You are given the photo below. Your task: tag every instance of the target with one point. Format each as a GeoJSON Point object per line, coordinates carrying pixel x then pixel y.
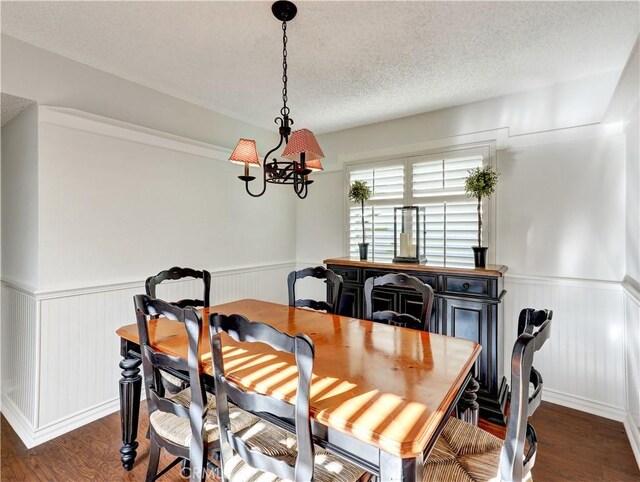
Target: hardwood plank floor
{"type": "Point", "coordinates": [574, 446]}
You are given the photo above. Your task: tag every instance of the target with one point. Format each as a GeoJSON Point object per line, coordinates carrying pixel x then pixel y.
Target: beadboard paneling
{"type": "Point", "coordinates": [79, 360]}
{"type": "Point", "coordinates": [19, 355]}
{"type": "Point", "coordinates": [583, 363]}
{"type": "Point", "coordinates": [632, 331]}
{"type": "Point", "coordinates": [66, 374]}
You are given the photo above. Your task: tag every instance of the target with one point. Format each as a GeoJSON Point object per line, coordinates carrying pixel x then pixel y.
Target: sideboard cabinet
{"type": "Point", "coordinates": [468, 304]}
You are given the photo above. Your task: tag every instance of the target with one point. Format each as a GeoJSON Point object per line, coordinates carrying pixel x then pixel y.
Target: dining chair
{"type": "Point", "coordinates": [289, 457]}
{"type": "Point", "coordinates": [319, 272]}
{"type": "Point", "coordinates": [184, 424]}
{"type": "Point", "coordinates": [172, 382]}
{"type": "Point", "coordinates": [390, 317]}
{"type": "Point", "coordinates": [465, 452]}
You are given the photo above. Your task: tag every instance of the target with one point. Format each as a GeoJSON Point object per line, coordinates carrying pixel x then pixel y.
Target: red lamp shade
{"type": "Point", "coordinates": [304, 142]}
{"type": "Point", "coordinates": [245, 153]}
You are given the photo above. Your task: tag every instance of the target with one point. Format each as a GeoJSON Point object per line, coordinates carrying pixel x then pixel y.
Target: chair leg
{"type": "Point", "coordinates": [154, 458]}
{"type": "Point", "coordinates": [198, 462]}
{"type": "Point", "coordinates": [186, 469]}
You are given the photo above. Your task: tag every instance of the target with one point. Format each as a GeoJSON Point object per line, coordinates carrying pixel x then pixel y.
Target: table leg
{"type": "Point", "coordinates": [468, 407]}
{"type": "Point", "coordinates": [130, 386]}
{"type": "Point", "coordinates": [395, 469]}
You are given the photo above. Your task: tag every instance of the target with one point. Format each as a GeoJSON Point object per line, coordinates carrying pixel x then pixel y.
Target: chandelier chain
{"type": "Point", "coordinates": [285, 110]}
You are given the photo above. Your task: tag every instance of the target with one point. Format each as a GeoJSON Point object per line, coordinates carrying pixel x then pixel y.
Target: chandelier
{"type": "Point", "coordinates": [302, 152]}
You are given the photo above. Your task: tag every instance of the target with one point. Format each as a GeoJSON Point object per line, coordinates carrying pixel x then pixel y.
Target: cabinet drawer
{"type": "Point", "coordinates": [349, 275]}
{"type": "Point", "coordinates": [475, 286]}
{"type": "Point", "coordinates": [428, 279]}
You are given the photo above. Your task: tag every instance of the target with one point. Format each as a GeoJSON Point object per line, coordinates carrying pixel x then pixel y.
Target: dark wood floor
{"type": "Point", "coordinates": [574, 446]}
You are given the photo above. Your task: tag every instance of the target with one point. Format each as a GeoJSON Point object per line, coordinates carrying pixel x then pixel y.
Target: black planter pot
{"type": "Point", "coordinates": [364, 249]}
{"type": "Point", "coordinates": [480, 256]}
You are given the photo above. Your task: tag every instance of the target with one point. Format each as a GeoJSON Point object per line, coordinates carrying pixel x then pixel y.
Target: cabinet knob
{"type": "Point", "coordinates": [465, 286]}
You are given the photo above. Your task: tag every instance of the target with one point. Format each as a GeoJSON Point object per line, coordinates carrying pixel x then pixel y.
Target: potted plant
{"type": "Point", "coordinates": [479, 184]}
{"type": "Point", "coordinates": [359, 192]}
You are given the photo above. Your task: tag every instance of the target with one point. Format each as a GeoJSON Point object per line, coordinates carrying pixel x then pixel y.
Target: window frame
{"type": "Point", "coordinates": [489, 206]}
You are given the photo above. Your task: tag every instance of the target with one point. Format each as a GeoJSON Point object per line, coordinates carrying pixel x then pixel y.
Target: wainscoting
{"type": "Point", "coordinates": [583, 363]}
{"type": "Point", "coordinates": [632, 332]}
{"type": "Point", "coordinates": [64, 347]}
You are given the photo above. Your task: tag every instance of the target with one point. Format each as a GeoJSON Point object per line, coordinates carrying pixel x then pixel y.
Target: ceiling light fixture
{"type": "Point", "coordinates": [301, 150]}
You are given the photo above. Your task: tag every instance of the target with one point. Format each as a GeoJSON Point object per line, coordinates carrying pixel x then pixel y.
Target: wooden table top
{"type": "Point", "coordinates": [496, 270]}
{"type": "Point", "coordinates": [387, 386]}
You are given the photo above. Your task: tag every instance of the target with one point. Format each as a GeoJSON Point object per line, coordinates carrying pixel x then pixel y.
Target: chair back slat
{"type": "Point", "coordinates": [256, 402]}
{"type": "Point", "coordinates": [148, 308]}
{"type": "Point", "coordinates": [167, 405]}
{"type": "Point", "coordinates": [254, 458]}
{"type": "Point", "coordinates": [161, 360]}
{"type": "Point", "coordinates": [177, 273]}
{"type": "Point", "coordinates": [534, 329]}
{"type": "Point", "coordinates": [314, 305]}
{"type": "Point", "coordinates": [242, 330]}
{"type": "Point", "coordinates": [319, 272]}
{"type": "Point", "coordinates": [536, 397]}
{"type": "Point", "coordinates": [406, 320]}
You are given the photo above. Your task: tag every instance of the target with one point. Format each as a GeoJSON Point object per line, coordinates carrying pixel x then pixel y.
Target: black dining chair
{"type": "Point", "coordinates": [319, 272]}
{"type": "Point", "coordinates": [465, 452]}
{"type": "Point", "coordinates": [177, 273]}
{"type": "Point", "coordinates": [291, 458]}
{"type": "Point", "coordinates": [174, 382]}
{"type": "Point", "coordinates": [184, 424]}
{"type": "Point", "coordinates": [390, 317]}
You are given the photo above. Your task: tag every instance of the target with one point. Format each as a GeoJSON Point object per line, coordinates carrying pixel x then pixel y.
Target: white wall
{"type": "Point", "coordinates": [560, 211]}
{"type": "Point", "coordinates": [20, 198]}
{"type": "Point", "coordinates": [114, 209]}
{"type": "Point", "coordinates": [632, 238]}
{"type": "Point", "coordinates": [570, 104]}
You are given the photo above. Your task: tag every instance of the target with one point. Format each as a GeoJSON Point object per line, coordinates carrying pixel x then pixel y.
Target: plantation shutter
{"type": "Point", "coordinates": [452, 220]}
{"type": "Point", "coordinates": [434, 181]}
{"type": "Point", "coordinates": [387, 185]}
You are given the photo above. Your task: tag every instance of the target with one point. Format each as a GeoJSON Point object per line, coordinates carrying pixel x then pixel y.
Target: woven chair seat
{"type": "Point", "coordinates": [464, 453]}
{"type": "Point", "coordinates": [328, 468]}
{"type": "Point", "coordinates": [172, 380]}
{"type": "Point", "coordinates": [266, 437]}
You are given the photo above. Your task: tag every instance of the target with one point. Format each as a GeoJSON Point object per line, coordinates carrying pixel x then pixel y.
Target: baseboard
{"type": "Point", "coordinates": [18, 422]}
{"type": "Point", "coordinates": [584, 404]}
{"type": "Point", "coordinates": [76, 420]}
{"type": "Point", "coordinates": [634, 437]}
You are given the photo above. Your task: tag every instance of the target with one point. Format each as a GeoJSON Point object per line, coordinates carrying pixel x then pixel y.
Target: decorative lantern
{"type": "Point", "coordinates": [409, 234]}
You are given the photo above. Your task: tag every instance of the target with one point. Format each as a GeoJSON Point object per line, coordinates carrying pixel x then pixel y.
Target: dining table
{"type": "Point", "coordinates": [380, 394]}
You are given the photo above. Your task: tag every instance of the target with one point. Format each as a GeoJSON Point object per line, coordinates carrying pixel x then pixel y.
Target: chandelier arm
{"type": "Point", "coordinates": [300, 183]}
{"type": "Point", "coordinates": [303, 194]}
{"type": "Point", "coordinates": [264, 171]}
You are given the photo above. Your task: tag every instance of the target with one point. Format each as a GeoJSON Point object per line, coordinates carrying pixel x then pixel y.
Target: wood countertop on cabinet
{"type": "Point", "coordinates": [493, 270]}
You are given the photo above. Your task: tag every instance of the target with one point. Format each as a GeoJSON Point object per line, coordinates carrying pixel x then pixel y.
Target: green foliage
{"type": "Point", "coordinates": [359, 192]}
{"type": "Point", "coordinates": [481, 182]}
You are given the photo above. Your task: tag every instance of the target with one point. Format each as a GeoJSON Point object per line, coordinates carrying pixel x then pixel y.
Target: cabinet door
{"type": "Point", "coordinates": [384, 299]}
{"type": "Point", "coordinates": [351, 301]}
{"type": "Point", "coordinates": [411, 304]}
{"type": "Point", "coordinates": [471, 320]}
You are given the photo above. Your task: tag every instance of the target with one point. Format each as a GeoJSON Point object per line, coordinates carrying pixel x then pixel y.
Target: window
{"type": "Point", "coordinates": [435, 181]}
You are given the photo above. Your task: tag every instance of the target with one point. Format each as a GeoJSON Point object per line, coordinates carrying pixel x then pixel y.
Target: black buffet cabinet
{"type": "Point", "coordinates": [468, 304]}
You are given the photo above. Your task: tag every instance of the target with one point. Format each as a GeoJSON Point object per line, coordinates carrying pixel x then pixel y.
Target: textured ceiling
{"type": "Point", "coordinates": [350, 63]}
{"type": "Point", "coordinates": [11, 106]}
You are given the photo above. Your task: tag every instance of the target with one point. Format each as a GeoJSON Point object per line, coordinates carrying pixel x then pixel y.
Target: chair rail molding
{"type": "Point", "coordinates": [39, 400]}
